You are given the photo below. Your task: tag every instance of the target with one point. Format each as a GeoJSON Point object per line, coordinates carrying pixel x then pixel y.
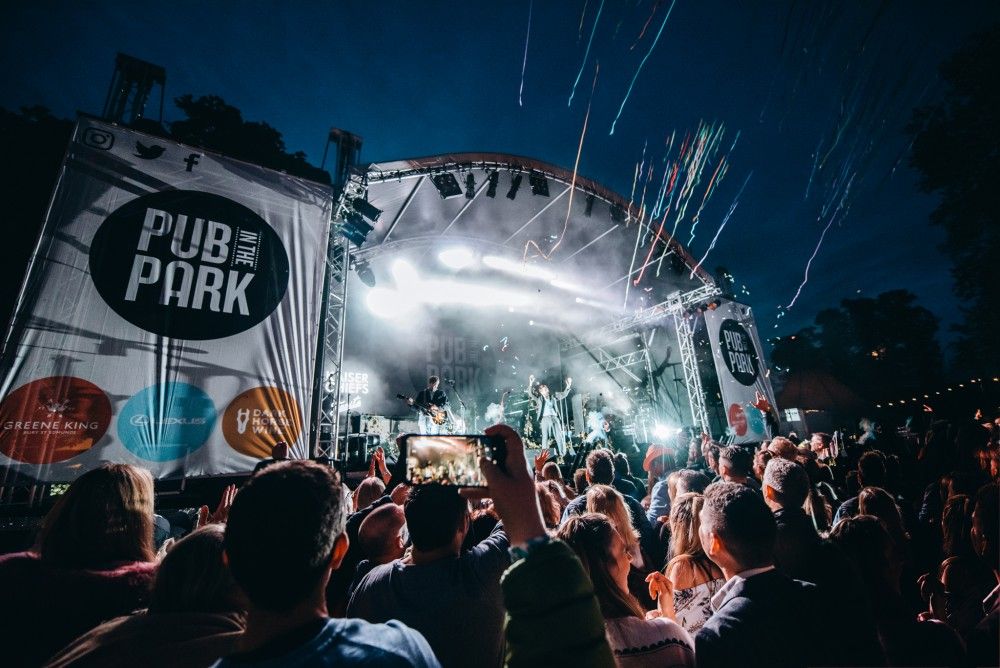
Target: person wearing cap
{"type": "Point", "coordinates": [655, 465]}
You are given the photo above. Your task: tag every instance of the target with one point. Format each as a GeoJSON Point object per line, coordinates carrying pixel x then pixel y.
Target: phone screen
{"type": "Point", "coordinates": [449, 460]}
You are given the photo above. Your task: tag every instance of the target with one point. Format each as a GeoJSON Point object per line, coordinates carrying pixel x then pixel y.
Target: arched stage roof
{"type": "Point", "coordinates": [598, 246]}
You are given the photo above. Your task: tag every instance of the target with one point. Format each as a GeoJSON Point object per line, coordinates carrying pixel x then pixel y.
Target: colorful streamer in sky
{"type": "Point", "coordinates": [524, 64]}
{"type": "Point", "coordinates": [586, 54]}
{"type": "Point", "coordinates": [725, 220]}
{"type": "Point", "coordinates": [572, 184]}
{"type": "Point", "coordinates": [641, 64]}
{"type": "Point", "coordinates": [678, 186]}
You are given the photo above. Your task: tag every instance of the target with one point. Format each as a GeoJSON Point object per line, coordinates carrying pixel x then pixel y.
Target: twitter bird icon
{"type": "Point", "coordinates": [148, 152]}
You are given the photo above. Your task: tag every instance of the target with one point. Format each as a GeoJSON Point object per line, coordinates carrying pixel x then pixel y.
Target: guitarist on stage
{"type": "Point", "coordinates": [429, 400]}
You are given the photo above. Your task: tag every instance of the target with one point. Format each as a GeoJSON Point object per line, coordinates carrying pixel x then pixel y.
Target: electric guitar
{"type": "Point", "coordinates": [437, 414]}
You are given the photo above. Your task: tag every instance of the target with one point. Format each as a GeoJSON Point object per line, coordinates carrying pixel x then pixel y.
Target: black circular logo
{"type": "Point", "coordinates": [189, 265]}
{"type": "Point", "coordinates": [738, 351]}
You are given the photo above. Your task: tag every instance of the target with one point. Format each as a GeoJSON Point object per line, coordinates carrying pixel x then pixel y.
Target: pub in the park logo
{"type": "Point", "coordinates": [738, 352]}
{"type": "Point", "coordinates": [189, 265]}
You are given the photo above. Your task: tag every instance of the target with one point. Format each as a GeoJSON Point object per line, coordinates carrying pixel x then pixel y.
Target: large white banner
{"type": "Point", "coordinates": [739, 363]}
{"type": "Point", "coordinates": [170, 315]}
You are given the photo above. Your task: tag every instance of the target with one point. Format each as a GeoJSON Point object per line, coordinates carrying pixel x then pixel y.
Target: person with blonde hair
{"type": "Point", "coordinates": [637, 638]}
{"type": "Point", "coordinates": [94, 560]}
{"type": "Point", "coordinates": [695, 577]}
{"type": "Point", "coordinates": [609, 501]}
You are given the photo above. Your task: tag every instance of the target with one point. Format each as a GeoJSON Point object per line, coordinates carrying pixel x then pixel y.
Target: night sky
{"type": "Point", "coordinates": [819, 92]}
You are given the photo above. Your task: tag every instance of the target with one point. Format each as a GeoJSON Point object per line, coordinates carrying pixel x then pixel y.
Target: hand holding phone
{"type": "Point", "coordinates": [512, 488]}
{"type": "Point", "coordinates": [449, 459]}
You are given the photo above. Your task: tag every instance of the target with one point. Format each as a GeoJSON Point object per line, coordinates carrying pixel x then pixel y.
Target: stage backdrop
{"type": "Point", "coordinates": [739, 363]}
{"type": "Point", "coordinates": [170, 314]}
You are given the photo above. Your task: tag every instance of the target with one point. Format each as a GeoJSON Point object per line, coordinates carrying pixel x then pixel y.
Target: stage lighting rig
{"type": "Point", "coordinates": [355, 228]}
{"type": "Point", "coordinates": [365, 273]}
{"type": "Point", "coordinates": [539, 184]}
{"type": "Point", "coordinates": [618, 213]}
{"type": "Point", "coordinates": [367, 210]}
{"type": "Point", "coordinates": [470, 186]}
{"type": "Point", "coordinates": [447, 185]}
{"type": "Point", "coordinates": [515, 183]}
{"type": "Point", "coordinates": [491, 189]}
{"type": "Point", "coordinates": [359, 218]}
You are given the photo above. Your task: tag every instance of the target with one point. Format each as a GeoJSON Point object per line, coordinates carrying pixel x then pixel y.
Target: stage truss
{"type": "Point", "coordinates": [325, 437]}
{"type": "Point", "coordinates": [676, 307]}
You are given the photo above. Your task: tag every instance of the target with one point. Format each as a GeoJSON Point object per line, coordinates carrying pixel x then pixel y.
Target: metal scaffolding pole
{"type": "Point", "coordinates": [327, 427]}
{"type": "Point", "coordinates": [689, 363]}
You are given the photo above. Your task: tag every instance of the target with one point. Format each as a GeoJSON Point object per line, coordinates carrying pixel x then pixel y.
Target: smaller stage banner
{"type": "Point", "coordinates": [170, 313]}
{"type": "Point", "coordinates": [739, 364]}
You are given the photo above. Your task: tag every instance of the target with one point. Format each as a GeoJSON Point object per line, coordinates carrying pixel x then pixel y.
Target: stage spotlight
{"type": "Point", "coordinates": [447, 185]}
{"type": "Point", "coordinates": [618, 213]}
{"type": "Point", "coordinates": [515, 183]}
{"type": "Point", "coordinates": [590, 206]}
{"type": "Point", "coordinates": [539, 184]}
{"type": "Point", "coordinates": [355, 228]}
{"type": "Point", "coordinates": [365, 274]}
{"type": "Point", "coordinates": [456, 258]}
{"type": "Point", "coordinates": [367, 210]}
{"type": "Point", "coordinates": [470, 186]}
{"type": "Point", "coordinates": [677, 264]}
{"type": "Point", "coordinates": [491, 189]}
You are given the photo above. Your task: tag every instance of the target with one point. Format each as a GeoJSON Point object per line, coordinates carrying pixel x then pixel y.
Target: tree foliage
{"type": "Point", "coordinates": [956, 149]}
{"type": "Point", "coordinates": [35, 141]}
{"type": "Point", "coordinates": [879, 347]}
{"type": "Point", "coordinates": [214, 125]}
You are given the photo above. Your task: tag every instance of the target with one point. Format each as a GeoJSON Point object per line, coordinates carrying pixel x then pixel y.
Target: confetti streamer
{"type": "Point", "coordinates": [586, 54]}
{"type": "Point", "coordinates": [576, 167]}
{"type": "Point", "coordinates": [524, 63]}
{"type": "Point", "coordinates": [646, 25]}
{"type": "Point", "coordinates": [819, 244]}
{"type": "Point", "coordinates": [641, 64]}
{"type": "Point", "coordinates": [724, 221]}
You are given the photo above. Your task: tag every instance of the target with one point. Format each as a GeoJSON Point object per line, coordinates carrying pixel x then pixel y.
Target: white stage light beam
{"type": "Point", "coordinates": [457, 257]}
{"type": "Point", "coordinates": [518, 268]}
{"type": "Point", "coordinates": [405, 274]}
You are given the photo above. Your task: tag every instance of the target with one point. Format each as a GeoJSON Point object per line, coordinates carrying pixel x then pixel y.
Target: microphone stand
{"type": "Point", "coordinates": [461, 402]}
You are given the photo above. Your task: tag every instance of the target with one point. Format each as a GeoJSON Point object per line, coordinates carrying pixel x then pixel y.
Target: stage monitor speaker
{"type": "Point", "coordinates": [403, 426]}
{"type": "Point", "coordinates": [359, 449]}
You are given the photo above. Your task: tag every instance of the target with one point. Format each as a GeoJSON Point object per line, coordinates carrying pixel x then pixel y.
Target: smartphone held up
{"type": "Point", "coordinates": [449, 459]}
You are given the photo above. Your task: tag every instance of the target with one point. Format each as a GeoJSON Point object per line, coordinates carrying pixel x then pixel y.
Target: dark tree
{"type": "Point", "coordinates": [956, 149]}
{"type": "Point", "coordinates": [881, 347]}
{"type": "Point", "coordinates": [36, 141]}
{"type": "Point", "coordinates": [217, 126]}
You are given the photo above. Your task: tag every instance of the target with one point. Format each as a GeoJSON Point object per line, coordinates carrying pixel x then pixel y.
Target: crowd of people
{"type": "Point", "coordinates": [792, 552]}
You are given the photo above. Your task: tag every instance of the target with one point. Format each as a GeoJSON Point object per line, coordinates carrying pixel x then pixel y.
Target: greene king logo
{"type": "Point", "coordinates": [189, 265]}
